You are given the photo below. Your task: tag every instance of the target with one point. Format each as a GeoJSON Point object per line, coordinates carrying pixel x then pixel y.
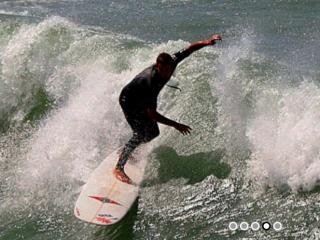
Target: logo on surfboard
{"type": "Point", "coordinates": [104, 220]}
{"type": "Point", "coordinates": [105, 200]}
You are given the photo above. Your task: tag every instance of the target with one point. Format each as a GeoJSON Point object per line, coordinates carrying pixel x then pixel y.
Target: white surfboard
{"type": "Point", "coordinates": [105, 200]}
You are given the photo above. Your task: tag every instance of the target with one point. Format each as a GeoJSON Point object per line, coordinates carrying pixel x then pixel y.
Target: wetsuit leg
{"type": "Point", "coordinates": [144, 130]}
{"type": "Point", "coordinates": [129, 147]}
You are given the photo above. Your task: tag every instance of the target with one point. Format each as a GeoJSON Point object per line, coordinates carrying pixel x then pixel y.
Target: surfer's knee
{"type": "Point", "coordinates": [152, 135]}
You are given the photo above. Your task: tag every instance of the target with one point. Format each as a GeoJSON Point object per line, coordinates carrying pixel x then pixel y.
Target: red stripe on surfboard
{"type": "Point", "coordinates": [105, 200]}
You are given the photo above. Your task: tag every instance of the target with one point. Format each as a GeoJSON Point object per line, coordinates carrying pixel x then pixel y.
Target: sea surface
{"type": "Point", "coordinates": [253, 101]}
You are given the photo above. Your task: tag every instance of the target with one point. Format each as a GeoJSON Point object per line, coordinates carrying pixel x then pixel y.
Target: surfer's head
{"type": "Point", "coordinates": [165, 65]}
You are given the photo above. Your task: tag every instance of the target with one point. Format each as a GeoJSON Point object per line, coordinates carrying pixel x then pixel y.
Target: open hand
{"type": "Point", "coordinates": [214, 38]}
{"type": "Point", "coordinates": [184, 129]}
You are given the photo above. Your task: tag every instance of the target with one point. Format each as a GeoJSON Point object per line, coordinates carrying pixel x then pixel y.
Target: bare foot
{"type": "Point", "coordinates": [122, 176]}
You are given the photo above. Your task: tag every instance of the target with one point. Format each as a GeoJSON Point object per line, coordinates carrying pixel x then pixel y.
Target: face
{"type": "Point", "coordinates": [165, 71]}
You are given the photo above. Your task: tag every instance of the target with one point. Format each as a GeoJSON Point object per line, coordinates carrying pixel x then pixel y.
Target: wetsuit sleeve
{"type": "Point", "coordinates": [179, 56]}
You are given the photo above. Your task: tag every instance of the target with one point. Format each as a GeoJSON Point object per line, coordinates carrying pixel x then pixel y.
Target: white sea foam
{"type": "Point", "coordinates": [268, 115]}
{"type": "Point", "coordinates": [285, 137]}
{"type": "Point", "coordinates": [232, 86]}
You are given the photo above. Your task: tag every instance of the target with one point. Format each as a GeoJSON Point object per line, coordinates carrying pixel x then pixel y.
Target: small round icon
{"type": "Point", "coordinates": [244, 226]}
{"type": "Point", "coordinates": [266, 225]}
{"type": "Point", "coordinates": [255, 226]}
{"type": "Point", "coordinates": [277, 226]}
{"type": "Point", "coordinates": [233, 226]}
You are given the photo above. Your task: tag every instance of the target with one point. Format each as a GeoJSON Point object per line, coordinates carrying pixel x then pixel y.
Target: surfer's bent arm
{"type": "Point", "coordinates": [155, 116]}
{"type": "Point", "coordinates": [182, 54]}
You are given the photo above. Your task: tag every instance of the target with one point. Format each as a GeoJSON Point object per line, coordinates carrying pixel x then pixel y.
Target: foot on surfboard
{"type": "Point", "coordinates": [121, 176]}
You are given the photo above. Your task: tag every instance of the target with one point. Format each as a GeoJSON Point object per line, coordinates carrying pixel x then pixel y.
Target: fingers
{"type": "Point", "coordinates": [185, 130]}
{"type": "Point", "coordinates": [188, 130]}
{"type": "Point", "coordinates": [216, 37]}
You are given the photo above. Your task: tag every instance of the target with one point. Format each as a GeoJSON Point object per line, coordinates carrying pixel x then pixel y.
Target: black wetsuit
{"type": "Point", "coordinates": [135, 98]}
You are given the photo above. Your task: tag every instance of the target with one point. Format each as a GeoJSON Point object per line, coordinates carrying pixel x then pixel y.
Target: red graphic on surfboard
{"type": "Point", "coordinates": [105, 200]}
{"type": "Point", "coordinates": [104, 220]}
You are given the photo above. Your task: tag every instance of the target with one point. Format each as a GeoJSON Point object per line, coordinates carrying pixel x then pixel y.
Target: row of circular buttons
{"type": "Point", "coordinates": [255, 226]}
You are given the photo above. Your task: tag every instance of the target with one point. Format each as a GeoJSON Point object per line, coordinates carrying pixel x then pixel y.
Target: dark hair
{"type": "Point", "coordinates": [165, 59]}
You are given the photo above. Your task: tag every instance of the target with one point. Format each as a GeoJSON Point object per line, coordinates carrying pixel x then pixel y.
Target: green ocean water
{"type": "Point", "coordinates": [252, 101]}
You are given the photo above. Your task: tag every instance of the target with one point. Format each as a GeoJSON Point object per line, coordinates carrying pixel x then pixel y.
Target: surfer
{"type": "Point", "coordinates": [138, 101]}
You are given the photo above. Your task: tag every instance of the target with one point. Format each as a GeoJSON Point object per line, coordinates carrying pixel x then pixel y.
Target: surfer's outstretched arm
{"type": "Point", "coordinates": [182, 54]}
{"type": "Point", "coordinates": [200, 44]}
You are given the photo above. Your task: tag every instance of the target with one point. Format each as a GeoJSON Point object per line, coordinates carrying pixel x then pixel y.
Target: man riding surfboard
{"type": "Point", "coordinates": [138, 100]}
